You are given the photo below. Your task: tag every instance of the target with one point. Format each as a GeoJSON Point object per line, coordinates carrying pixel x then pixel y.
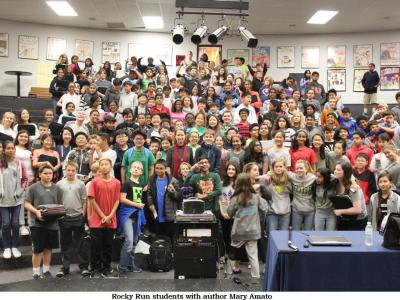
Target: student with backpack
{"type": "Point", "coordinates": [138, 153]}
{"type": "Point", "coordinates": [130, 219]}
{"type": "Point", "coordinates": [245, 208]}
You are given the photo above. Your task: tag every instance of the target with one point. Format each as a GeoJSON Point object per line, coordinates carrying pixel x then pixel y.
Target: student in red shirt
{"type": "Point", "coordinates": [243, 126]}
{"type": "Point", "coordinates": [160, 108]}
{"type": "Point", "coordinates": [359, 147]}
{"type": "Point", "coordinates": [301, 150]}
{"type": "Point", "coordinates": [366, 179]}
{"type": "Point", "coordinates": [103, 194]}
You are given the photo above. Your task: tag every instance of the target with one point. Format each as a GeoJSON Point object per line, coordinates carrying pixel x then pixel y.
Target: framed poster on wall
{"type": "Point", "coordinates": [390, 54]}
{"type": "Point", "coordinates": [110, 51]}
{"type": "Point", "coordinates": [261, 55]}
{"type": "Point", "coordinates": [55, 47]}
{"type": "Point", "coordinates": [390, 79]}
{"type": "Point", "coordinates": [232, 53]}
{"type": "Point", "coordinates": [28, 47]}
{"type": "Point", "coordinates": [310, 57]}
{"type": "Point", "coordinates": [84, 49]}
{"type": "Point", "coordinates": [336, 57]}
{"type": "Point", "coordinates": [362, 55]}
{"type": "Point", "coordinates": [161, 52]}
{"type": "Point", "coordinates": [358, 76]}
{"type": "Point", "coordinates": [214, 53]}
{"type": "Point", "coordinates": [337, 80]}
{"type": "Point", "coordinates": [285, 57]}
{"type": "Point", "coordinates": [3, 44]}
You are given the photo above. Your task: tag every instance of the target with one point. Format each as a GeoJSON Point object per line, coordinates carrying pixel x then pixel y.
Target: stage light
{"type": "Point", "coordinates": [217, 35]}
{"type": "Point", "coordinates": [178, 33]}
{"type": "Point", "coordinates": [248, 36]}
{"type": "Point", "coordinates": [199, 34]}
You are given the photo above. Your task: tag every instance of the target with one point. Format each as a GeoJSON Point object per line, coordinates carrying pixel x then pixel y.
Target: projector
{"type": "Point", "coordinates": [193, 206]}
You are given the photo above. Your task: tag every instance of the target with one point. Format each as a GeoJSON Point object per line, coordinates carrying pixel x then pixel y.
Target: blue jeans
{"type": "Point", "coordinates": [278, 222]}
{"type": "Point", "coordinates": [299, 218]}
{"type": "Point", "coordinates": [10, 221]}
{"type": "Point", "coordinates": [325, 220]}
{"type": "Point", "coordinates": [128, 248]}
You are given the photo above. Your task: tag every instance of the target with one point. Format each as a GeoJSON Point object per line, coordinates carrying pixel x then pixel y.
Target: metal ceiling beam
{"type": "Point", "coordinates": [211, 4]}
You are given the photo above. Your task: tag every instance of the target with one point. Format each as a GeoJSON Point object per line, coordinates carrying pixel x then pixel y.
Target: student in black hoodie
{"type": "Point", "coordinates": [56, 90]}
{"type": "Point", "coordinates": [370, 82]}
{"type": "Point", "coordinates": [208, 149]}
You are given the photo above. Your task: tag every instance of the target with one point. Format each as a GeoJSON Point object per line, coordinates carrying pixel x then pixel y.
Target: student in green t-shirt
{"type": "Point", "coordinates": [206, 185]}
{"type": "Point", "coordinates": [138, 153]}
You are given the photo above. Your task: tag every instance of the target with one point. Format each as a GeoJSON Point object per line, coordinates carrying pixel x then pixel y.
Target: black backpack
{"type": "Point", "coordinates": [160, 258]}
{"type": "Point", "coordinates": [390, 229]}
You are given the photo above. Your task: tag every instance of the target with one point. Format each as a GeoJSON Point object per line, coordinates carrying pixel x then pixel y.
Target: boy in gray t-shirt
{"type": "Point", "coordinates": [72, 227]}
{"type": "Point", "coordinates": [44, 234]}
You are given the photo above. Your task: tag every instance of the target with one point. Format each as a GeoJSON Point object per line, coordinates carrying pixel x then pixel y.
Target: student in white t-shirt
{"type": "Point", "coordinates": [106, 151]}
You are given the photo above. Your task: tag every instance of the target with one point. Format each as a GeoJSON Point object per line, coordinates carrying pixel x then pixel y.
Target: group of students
{"type": "Point", "coordinates": [261, 155]}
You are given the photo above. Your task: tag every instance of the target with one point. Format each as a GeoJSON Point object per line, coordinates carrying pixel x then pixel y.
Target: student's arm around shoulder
{"type": "Point", "coordinates": [232, 207]}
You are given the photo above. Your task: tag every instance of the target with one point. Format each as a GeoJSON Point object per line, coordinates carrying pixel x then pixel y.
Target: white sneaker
{"type": "Point", "coordinates": [16, 253]}
{"type": "Point", "coordinates": [7, 253]}
{"type": "Point", "coordinates": [24, 231]}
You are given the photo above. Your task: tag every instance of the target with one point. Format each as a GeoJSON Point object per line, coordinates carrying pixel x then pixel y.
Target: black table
{"type": "Point", "coordinates": [18, 74]}
{"type": "Point", "coordinates": [354, 268]}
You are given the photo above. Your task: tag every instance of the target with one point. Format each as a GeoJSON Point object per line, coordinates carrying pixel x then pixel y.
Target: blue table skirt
{"type": "Point", "coordinates": [354, 268]}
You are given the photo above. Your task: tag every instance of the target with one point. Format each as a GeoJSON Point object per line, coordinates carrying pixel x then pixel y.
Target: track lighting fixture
{"type": "Point", "coordinates": [248, 36]}
{"type": "Point", "coordinates": [178, 33]}
{"type": "Point", "coordinates": [217, 35]}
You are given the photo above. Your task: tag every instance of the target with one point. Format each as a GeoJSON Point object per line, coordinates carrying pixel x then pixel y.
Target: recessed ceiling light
{"type": "Point", "coordinates": [322, 17]}
{"type": "Point", "coordinates": [152, 22]}
{"type": "Point", "coordinates": [62, 8]}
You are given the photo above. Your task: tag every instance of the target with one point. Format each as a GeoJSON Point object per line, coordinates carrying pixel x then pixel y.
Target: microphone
{"type": "Point", "coordinates": [290, 244]}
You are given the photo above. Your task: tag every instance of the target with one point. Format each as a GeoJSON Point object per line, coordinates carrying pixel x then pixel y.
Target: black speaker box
{"type": "Point", "coordinates": [193, 206]}
{"type": "Point", "coordinates": [195, 260]}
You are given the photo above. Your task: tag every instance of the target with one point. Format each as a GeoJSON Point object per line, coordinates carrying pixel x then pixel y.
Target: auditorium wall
{"type": "Point", "coordinates": [12, 62]}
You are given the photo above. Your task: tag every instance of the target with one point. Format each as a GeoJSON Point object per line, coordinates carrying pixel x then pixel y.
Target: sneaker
{"type": "Point", "coordinates": [248, 266]}
{"type": "Point", "coordinates": [134, 269]}
{"type": "Point", "coordinates": [85, 272]}
{"type": "Point", "coordinates": [16, 253]}
{"type": "Point", "coordinates": [96, 274]}
{"type": "Point", "coordinates": [37, 276]}
{"type": "Point", "coordinates": [24, 231]}
{"type": "Point", "coordinates": [61, 274]}
{"type": "Point", "coordinates": [123, 275]}
{"type": "Point", "coordinates": [107, 273]}
{"type": "Point", "coordinates": [255, 280]}
{"type": "Point", "coordinates": [47, 275]}
{"type": "Point", "coordinates": [7, 253]}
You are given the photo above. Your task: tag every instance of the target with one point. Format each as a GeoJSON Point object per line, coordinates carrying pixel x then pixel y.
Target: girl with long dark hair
{"type": "Point", "coordinates": [13, 181]}
{"type": "Point", "coordinates": [383, 202]}
{"type": "Point", "coordinates": [353, 218]}
{"type": "Point", "coordinates": [253, 153]}
{"type": "Point", "coordinates": [325, 218]}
